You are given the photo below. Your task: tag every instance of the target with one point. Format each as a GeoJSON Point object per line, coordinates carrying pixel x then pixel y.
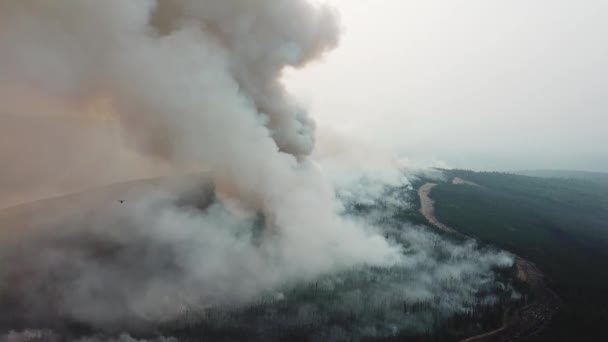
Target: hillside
{"type": "Point", "coordinates": [449, 291]}
{"type": "Point", "coordinates": [561, 224]}
{"type": "Point", "coordinates": [601, 177]}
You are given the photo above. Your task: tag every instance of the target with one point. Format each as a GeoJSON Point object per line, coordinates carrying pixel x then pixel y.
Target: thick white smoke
{"type": "Point", "coordinates": [192, 83]}
{"type": "Point", "coordinates": [199, 82]}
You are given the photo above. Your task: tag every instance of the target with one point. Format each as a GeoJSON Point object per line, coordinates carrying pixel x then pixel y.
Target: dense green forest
{"type": "Point", "coordinates": [560, 223]}
{"type": "Point", "coordinates": [567, 174]}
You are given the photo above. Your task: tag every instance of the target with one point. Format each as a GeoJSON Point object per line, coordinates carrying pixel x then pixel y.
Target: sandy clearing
{"type": "Point", "coordinates": [427, 208]}
{"type": "Point", "coordinates": [460, 181]}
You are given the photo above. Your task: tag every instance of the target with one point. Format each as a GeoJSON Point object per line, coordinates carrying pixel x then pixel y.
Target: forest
{"type": "Point", "coordinates": [559, 222]}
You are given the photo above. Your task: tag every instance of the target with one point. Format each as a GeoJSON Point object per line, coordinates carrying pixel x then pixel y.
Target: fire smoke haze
{"type": "Point", "coordinates": [484, 84]}
{"type": "Point", "coordinates": [190, 83]}
{"type": "Point", "coordinates": [97, 91]}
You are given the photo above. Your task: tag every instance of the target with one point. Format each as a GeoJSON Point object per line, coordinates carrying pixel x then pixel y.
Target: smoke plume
{"type": "Point", "coordinates": [199, 82]}
{"type": "Point", "coordinates": [181, 84]}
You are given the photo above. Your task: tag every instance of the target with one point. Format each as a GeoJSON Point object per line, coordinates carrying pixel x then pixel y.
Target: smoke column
{"type": "Point", "coordinates": [189, 84]}
{"type": "Point", "coordinates": [197, 82]}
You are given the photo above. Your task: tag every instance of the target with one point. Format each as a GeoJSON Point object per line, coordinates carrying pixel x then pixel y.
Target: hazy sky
{"type": "Point", "coordinates": [474, 83]}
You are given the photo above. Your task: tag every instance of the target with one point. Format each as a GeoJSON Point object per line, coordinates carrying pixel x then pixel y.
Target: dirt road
{"type": "Point", "coordinates": [427, 208]}
{"type": "Point", "coordinates": [529, 319]}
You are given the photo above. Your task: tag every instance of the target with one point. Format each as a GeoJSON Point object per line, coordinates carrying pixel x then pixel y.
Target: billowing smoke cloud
{"type": "Point", "coordinates": [190, 81]}
{"type": "Point", "coordinates": [199, 82]}
{"type": "Point", "coordinates": [158, 258]}
{"type": "Point", "coordinates": [184, 83]}
{"type": "Point", "coordinates": [193, 81]}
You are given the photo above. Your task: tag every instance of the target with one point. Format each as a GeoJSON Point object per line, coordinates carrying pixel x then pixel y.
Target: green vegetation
{"type": "Point", "coordinates": [561, 224]}
{"type": "Point", "coordinates": [317, 312]}
{"type": "Point", "coordinates": [567, 174]}
{"type": "Point", "coordinates": [447, 289]}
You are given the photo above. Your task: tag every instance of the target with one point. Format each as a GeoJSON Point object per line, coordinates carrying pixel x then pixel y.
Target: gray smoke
{"type": "Point", "coordinates": [192, 82]}
{"type": "Point", "coordinates": [199, 82]}
{"type": "Point", "coordinates": [185, 84]}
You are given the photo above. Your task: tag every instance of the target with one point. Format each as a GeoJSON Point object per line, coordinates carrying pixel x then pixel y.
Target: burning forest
{"type": "Point", "coordinates": [252, 232]}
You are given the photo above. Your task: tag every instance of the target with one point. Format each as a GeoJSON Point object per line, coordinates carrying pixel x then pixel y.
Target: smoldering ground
{"type": "Point", "coordinates": [188, 265]}
{"type": "Point", "coordinates": [194, 83]}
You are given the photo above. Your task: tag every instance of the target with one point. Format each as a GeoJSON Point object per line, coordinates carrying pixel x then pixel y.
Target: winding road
{"type": "Point", "coordinates": [527, 320]}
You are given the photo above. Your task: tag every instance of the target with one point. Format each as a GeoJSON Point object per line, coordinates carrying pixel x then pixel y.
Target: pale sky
{"type": "Point", "coordinates": [483, 84]}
